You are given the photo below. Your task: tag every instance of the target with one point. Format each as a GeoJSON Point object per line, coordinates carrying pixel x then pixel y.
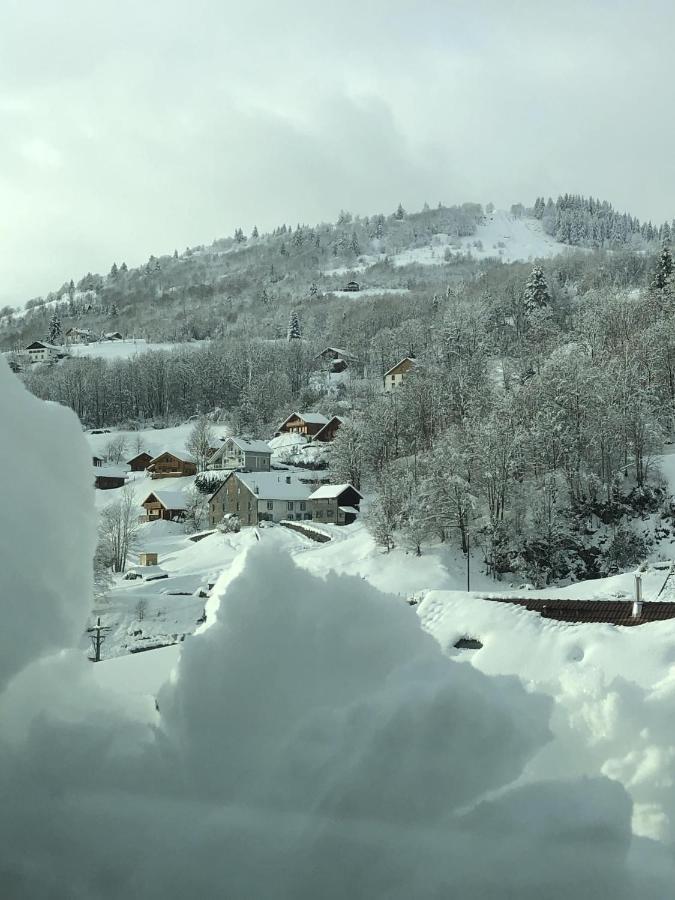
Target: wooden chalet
{"type": "Point", "coordinates": [140, 462]}
{"type": "Point", "coordinates": [334, 359]}
{"type": "Point", "coordinates": [393, 378]}
{"type": "Point", "coordinates": [41, 351]}
{"type": "Point", "coordinates": [306, 424]}
{"type": "Point", "coordinates": [172, 464]}
{"type": "Point", "coordinates": [329, 430]}
{"type": "Point", "coordinates": [352, 286]}
{"type": "Point", "coordinates": [169, 505]}
{"type": "Point", "coordinates": [335, 503]}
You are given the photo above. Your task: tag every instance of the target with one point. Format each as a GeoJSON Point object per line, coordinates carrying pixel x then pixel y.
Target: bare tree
{"type": "Point", "coordinates": [200, 441]}
{"type": "Point", "coordinates": [115, 449]}
{"type": "Point", "coordinates": [118, 528]}
{"type": "Point", "coordinates": [140, 609]}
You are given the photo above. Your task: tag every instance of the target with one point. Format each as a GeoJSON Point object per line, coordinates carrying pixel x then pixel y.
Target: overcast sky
{"type": "Point", "coordinates": [138, 126]}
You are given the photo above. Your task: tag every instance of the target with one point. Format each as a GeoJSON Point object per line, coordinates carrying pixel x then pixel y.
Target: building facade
{"type": "Point", "coordinates": [239, 453]}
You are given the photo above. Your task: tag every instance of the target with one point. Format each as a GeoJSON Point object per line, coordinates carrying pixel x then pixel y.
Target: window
{"type": "Point", "coordinates": [289, 504]}
{"type": "Point", "coordinates": [303, 505]}
{"type": "Point", "coordinates": [237, 506]}
{"type": "Point", "coordinates": [270, 504]}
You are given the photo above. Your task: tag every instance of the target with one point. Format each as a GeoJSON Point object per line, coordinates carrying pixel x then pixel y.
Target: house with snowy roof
{"type": "Point", "coordinates": [335, 503]}
{"type": "Point", "coordinates": [395, 376]}
{"type": "Point", "coordinates": [334, 359]}
{"type": "Point", "coordinates": [169, 505]}
{"type": "Point", "coordinates": [256, 497]}
{"type": "Point", "coordinates": [243, 454]}
{"type": "Point", "coordinates": [327, 433]}
{"type": "Point", "coordinates": [172, 464]}
{"type": "Point", "coordinates": [306, 424]}
{"type": "Point", "coordinates": [41, 351]}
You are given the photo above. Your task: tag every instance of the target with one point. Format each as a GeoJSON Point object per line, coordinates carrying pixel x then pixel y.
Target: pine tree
{"type": "Point", "coordinates": [536, 294]}
{"type": "Point", "coordinates": [294, 333]}
{"type": "Point", "coordinates": [54, 329]}
{"type": "Point", "coordinates": [400, 212]}
{"type": "Point", "coordinates": [254, 233]}
{"type": "Point", "coordinates": [114, 270]}
{"type": "Point", "coordinates": [663, 277]}
{"type": "Point", "coordinates": [355, 248]}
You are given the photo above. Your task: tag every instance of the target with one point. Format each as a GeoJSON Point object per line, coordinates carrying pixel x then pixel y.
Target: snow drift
{"type": "Point", "coordinates": [315, 742]}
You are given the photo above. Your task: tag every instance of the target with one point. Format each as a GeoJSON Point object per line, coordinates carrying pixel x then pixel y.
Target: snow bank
{"type": "Point", "coordinates": [47, 527]}
{"type": "Point", "coordinates": [314, 742]}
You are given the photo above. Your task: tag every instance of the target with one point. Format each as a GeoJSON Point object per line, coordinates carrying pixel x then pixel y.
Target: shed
{"type": "Point", "coordinates": [352, 286]}
{"type": "Point", "coordinates": [169, 505]}
{"type": "Point", "coordinates": [147, 559]}
{"type": "Point", "coordinates": [140, 462]}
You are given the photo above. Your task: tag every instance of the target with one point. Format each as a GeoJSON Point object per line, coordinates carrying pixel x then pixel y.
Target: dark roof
{"type": "Point", "coordinates": [611, 612]}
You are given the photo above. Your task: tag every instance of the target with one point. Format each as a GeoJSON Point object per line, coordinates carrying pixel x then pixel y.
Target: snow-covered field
{"type": "Point", "coordinates": [126, 348]}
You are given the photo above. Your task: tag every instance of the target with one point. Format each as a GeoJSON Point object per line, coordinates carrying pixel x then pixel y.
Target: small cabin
{"type": "Point", "coordinates": [97, 461]}
{"type": "Point", "coordinates": [306, 424]}
{"type": "Point", "coordinates": [172, 464]}
{"type": "Point", "coordinates": [334, 359]}
{"type": "Point", "coordinates": [147, 559]}
{"type": "Point", "coordinates": [107, 478]}
{"type": "Point", "coordinates": [168, 505]}
{"type": "Point", "coordinates": [140, 462]}
{"type": "Point", "coordinates": [113, 336]}
{"type": "Point", "coordinates": [352, 286]}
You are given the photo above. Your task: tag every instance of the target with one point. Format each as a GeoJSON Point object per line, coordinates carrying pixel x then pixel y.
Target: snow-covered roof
{"type": "Point", "coordinates": [409, 359]}
{"type": "Point", "coordinates": [310, 418]}
{"type": "Point", "coordinates": [109, 471]}
{"type": "Point", "coordinates": [42, 345]}
{"type": "Point", "coordinates": [331, 491]}
{"type": "Point", "coordinates": [275, 485]}
{"type": "Point", "coordinates": [250, 446]}
{"type": "Point", "coordinates": [169, 499]}
{"type": "Point", "coordinates": [179, 454]}
{"type": "Point", "coordinates": [349, 509]}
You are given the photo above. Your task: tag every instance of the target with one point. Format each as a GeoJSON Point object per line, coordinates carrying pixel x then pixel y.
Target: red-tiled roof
{"type": "Point", "coordinates": [611, 612]}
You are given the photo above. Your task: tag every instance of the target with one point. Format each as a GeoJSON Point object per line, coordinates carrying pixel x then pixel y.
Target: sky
{"type": "Point", "coordinates": [136, 128]}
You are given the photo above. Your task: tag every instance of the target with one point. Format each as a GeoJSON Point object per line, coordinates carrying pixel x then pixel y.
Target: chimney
{"type": "Point", "coordinates": [637, 603]}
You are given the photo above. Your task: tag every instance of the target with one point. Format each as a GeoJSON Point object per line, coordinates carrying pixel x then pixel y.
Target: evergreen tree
{"type": "Point", "coordinates": [254, 233]}
{"type": "Point", "coordinates": [355, 248]}
{"type": "Point", "coordinates": [536, 294]}
{"type": "Point", "coordinates": [663, 277]}
{"type": "Point", "coordinates": [400, 212]}
{"type": "Point", "coordinates": [54, 329]}
{"type": "Point", "coordinates": [294, 333]}
{"type": "Point", "coordinates": [114, 271]}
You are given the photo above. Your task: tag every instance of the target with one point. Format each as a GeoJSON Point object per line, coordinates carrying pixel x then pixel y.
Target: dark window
{"type": "Point", "coordinates": [289, 504]}
{"type": "Point", "coordinates": [270, 504]}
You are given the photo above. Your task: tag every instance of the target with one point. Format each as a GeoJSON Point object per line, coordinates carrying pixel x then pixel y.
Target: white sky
{"type": "Point", "coordinates": [134, 127]}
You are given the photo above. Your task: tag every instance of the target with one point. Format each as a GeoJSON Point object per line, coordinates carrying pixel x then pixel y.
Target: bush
{"type": "Point", "coordinates": [626, 550]}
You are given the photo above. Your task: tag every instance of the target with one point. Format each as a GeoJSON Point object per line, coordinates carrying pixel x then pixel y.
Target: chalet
{"type": "Point", "coordinates": [336, 503]}
{"type": "Point", "coordinates": [240, 453]}
{"type": "Point", "coordinates": [97, 461]}
{"type": "Point", "coordinates": [113, 336]}
{"type": "Point", "coordinates": [107, 478]}
{"type": "Point", "coordinates": [306, 424]}
{"type": "Point", "coordinates": [333, 359]}
{"type": "Point", "coordinates": [140, 462]}
{"type": "Point", "coordinates": [168, 505]}
{"type": "Point", "coordinates": [352, 286]}
{"type": "Point", "coordinates": [260, 497]}
{"type": "Point", "coordinates": [40, 351]}
{"type": "Point", "coordinates": [171, 464]}
{"type": "Point", "coordinates": [329, 430]}
{"type": "Point", "coordinates": [78, 336]}
{"type": "Point", "coordinates": [394, 377]}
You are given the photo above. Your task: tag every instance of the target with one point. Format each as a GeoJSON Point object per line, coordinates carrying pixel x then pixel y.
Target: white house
{"type": "Point", "coordinates": [240, 453]}
{"type": "Point", "coordinates": [336, 503]}
{"type": "Point", "coordinates": [41, 351]}
{"type": "Point", "coordinates": [395, 376]}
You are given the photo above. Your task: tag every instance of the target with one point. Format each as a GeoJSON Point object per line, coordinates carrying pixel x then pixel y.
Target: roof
{"type": "Point", "coordinates": [349, 509]}
{"type": "Point", "coordinates": [273, 485]}
{"type": "Point", "coordinates": [108, 471]}
{"type": "Point", "coordinates": [345, 354]}
{"type": "Point", "coordinates": [409, 359]}
{"type": "Point", "coordinates": [138, 456]}
{"type": "Point", "coordinates": [330, 422]}
{"type": "Point", "coordinates": [179, 454]}
{"type": "Point", "coordinates": [611, 612]}
{"type": "Point", "coordinates": [331, 491]}
{"type": "Point", "coordinates": [249, 446]}
{"type": "Point", "coordinates": [41, 345]}
{"type": "Point", "coordinates": [310, 418]}
{"type": "Point", "coordinates": [168, 499]}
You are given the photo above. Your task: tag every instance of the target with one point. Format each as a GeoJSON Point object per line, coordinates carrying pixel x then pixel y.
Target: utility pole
{"type": "Point", "coordinates": [97, 637]}
{"type": "Point", "coordinates": [468, 560]}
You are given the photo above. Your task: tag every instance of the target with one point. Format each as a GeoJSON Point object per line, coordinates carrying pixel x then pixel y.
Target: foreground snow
{"type": "Point", "coordinates": [314, 739]}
